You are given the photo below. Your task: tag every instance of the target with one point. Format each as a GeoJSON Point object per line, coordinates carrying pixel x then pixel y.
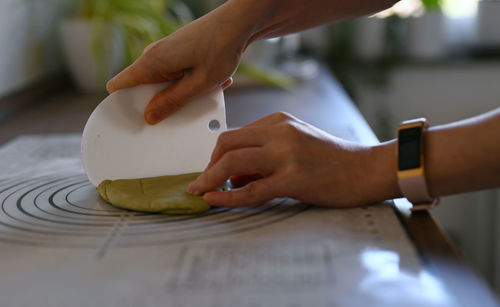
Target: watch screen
{"type": "Point", "coordinates": [409, 148]}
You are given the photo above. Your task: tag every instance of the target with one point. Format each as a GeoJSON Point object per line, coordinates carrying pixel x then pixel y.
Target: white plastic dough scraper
{"type": "Point", "coordinates": [117, 143]}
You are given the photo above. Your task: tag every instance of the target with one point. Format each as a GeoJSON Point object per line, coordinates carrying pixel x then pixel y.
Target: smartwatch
{"type": "Point", "coordinates": [411, 166]}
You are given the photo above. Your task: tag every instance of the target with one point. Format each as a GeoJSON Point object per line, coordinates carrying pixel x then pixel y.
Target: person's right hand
{"type": "Point", "coordinates": [199, 57]}
{"type": "Point", "coordinates": [282, 156]}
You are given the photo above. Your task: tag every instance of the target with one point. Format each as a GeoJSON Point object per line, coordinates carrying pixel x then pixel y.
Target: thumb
{"type": "Point", "coordinates": [140, 72]}
{"type": "Point", "coordinates": [129, 77]}
{"type": "Point", "coordinates": [171, 99]}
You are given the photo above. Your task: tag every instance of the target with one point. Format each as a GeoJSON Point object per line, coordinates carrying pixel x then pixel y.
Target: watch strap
{"type": "Point", "coordinates": [414, 188]}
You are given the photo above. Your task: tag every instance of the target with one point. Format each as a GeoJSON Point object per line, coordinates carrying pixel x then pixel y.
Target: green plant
{"type": "Point", "coordinates": [140, 23]}
{"type": "Point", "coordinates": [267, 76]}
{"type": "Point", "coordinates": [430, 5]}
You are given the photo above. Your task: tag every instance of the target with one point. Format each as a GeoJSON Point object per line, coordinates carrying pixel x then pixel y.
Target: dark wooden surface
{"type": "Point", "coordinates": [64, 112]}
{"type": "Point", "coordinates": [21, 99]}
{"type": "Point", "coordinates": [321, 102]}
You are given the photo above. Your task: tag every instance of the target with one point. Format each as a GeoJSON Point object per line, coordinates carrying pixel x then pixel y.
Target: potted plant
{"type": "Point", "coordinates": [100, 37]}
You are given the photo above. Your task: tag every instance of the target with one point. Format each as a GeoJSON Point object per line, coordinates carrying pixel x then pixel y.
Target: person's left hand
{"type": "Point", "coordinates": [293, 159]}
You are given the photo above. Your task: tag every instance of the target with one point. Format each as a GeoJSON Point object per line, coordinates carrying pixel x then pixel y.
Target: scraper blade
{"type": "Point", "coordinates": [117, 143]}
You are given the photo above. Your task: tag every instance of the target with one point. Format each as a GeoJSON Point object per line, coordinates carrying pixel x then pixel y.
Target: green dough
{"type": "Point", "coordinates": [165, 194]}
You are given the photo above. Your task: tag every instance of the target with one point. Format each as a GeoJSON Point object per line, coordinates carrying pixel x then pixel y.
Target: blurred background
{"type": "Point", "coordinates": [431, 58]}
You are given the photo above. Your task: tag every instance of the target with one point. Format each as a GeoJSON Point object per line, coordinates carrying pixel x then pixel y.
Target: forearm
{"type": "Point", "coordinates": [464, 156]}
{"type": "Point", "coordinates": [272, 18]}
{"type": "Point", "coordinates": [460, 157]}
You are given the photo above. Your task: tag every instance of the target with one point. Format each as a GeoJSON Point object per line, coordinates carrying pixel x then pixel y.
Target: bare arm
{"type": "Point", "coordinates": [272, 18]}
{"type": "Point", "coordinates": [461, 157]}
{"type": "Point", "coordinates": [294, 159]}
{"type": "Point", "coordinates": [464, 156]}
{"type": "Point", "coordinates": [204, 54]}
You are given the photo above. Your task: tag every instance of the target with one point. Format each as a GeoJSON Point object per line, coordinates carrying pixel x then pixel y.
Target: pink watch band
{"type": "Point", "coordinates": [415, 190]}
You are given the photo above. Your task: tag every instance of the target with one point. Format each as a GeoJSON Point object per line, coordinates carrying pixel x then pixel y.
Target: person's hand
{"type": "Point", "coordinates": [290, 158]}
{"type": "Point", "coordinates": [204, 54]}
{"type": "Point", "coordinates": [199, 57]}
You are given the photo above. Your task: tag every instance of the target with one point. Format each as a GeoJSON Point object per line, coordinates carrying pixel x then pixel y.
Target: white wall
{"type": "Point", "coordinates": [445, 92]}
{"type": "Point", "coordinates": [28, 42]}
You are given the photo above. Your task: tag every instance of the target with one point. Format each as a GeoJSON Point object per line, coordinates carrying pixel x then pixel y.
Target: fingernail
{"type": "Point", "coordinates": [108, 86]}
{"type": "Point", "coordinates": [152, 117]}
{"type": "Point", "coordinates": [192, 189]}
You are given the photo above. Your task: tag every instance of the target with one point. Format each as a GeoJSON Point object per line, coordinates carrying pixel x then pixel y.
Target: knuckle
{"type": "Point", "coordinates": [149, 48]}
{"type": "Point", "coordinates": [281, 116]}
{"type": "Point", "coordinates": [223, 140]}
{"type": "Point", "coordinates": [211, 177]}
{"type": "Point", "coordinates": [256, 192]}
{"type": "Point", "coordinates": [225, 164]}
{"type": "Point", "coordinates": [231, 158]}
{"type": "Point", "coordinates": [204, 179]}
{"type": "Point", "coordinates": [251, 190]}
{"type": "Point", "coordinates": [223, 137]}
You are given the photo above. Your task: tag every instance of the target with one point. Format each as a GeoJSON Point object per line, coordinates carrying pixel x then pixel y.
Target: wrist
{"type": "Point", "coordinates": [382, 172]}
{"type": "Point", "coordinates": [249, 18]}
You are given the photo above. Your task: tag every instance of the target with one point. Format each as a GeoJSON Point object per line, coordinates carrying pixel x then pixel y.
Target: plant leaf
{"type": "Point", "coordinates": [267, 76]}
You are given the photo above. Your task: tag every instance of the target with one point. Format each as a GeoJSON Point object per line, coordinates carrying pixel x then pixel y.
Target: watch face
{"type": "Point", "coordinates": [409, 148]}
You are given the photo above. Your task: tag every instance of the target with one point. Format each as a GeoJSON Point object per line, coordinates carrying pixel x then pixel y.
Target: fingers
{"type": "Point", "coordinates": [251, 194]}
{"type": "Point", "coordinates": [272, 119]}
{"type": "Point", "coordinates": [168, 101]}
{"type": "Point", "coordinates": [236, 139]}
{"type": "Point", "coordinates": [245, 154]}
{"type": "Point", "coordinates": [137, 74]}
{"type": "Point", "coordinates": [239, 181]}
{"type": "Point", "coordinates": [237, 162]}
{"type": "Point", "coordinates": [227, 84]}
{"type": "Point", "coordinates": [254, 134]}
{"type": "Point", "coordinates": [150, 67]}
{"type": "Point", "coordinates": [131, 76]}
{"type": "Point", "coordinates": [174, 97]}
